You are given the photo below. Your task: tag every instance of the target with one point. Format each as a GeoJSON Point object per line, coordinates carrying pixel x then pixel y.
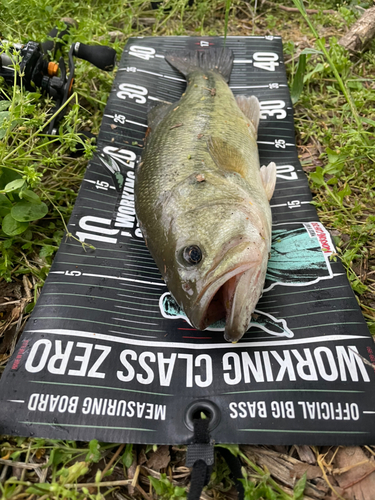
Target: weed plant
{"type": "Point", "coordinates": [334, 96]}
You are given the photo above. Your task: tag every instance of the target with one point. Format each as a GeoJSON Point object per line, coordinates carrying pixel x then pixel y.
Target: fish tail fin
{"type": "Point", "coordinates": [220, 60]}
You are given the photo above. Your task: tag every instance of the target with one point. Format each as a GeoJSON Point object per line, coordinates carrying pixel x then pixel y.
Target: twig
{"type": "Point", "coordinates": [20, 465]}
{"type": "Point", "coordinates": [358, 480]}
{"type": "Point", "coordinates": [104, 484]}
{"type": "Point", "coordinates": [23, 473]}
{"type": "Point", "coordinates": [142, 492]}
{"type": "Point", "coordinates": [109, 465]}
{"type": "Point", "coordinates": [320, 461]}
{"type": "Point", "coordinates": [13, 302]}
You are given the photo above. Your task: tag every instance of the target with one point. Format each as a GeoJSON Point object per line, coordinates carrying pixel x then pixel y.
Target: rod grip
{"type": "Point", "coordinates": [101, 56]}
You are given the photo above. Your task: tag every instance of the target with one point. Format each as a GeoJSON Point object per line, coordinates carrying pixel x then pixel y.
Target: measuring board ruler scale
{"type": "Point", "coordinates": [108, 354]}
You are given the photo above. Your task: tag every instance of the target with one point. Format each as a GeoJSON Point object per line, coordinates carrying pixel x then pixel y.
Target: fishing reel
{"type": "Point", "coordinates": [54, 79]}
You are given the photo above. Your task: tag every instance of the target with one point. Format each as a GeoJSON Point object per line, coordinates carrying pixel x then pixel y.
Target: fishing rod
{"type": "Point", "coordinates": [39, 70]}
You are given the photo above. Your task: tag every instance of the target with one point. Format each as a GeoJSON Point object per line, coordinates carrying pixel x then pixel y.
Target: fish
{"type": "Point", "coordinates": [201, 198]}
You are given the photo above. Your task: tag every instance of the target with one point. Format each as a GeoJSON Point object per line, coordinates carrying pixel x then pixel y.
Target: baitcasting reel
{"type": "Point", "coordinates": [39, 71]}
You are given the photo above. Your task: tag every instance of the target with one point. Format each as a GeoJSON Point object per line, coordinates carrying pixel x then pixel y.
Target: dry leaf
{"type": "Point", "coordinates": [359, 481]}
{"type": "Point", "coordinates": [159, 459]}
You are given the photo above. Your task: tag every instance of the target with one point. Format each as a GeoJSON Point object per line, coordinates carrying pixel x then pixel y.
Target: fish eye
{"type": "Point", "coordinates": [192, 254]}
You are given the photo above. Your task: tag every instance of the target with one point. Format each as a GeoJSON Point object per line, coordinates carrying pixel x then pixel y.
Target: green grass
{"type": "Point", "coordinates": [335, 123]}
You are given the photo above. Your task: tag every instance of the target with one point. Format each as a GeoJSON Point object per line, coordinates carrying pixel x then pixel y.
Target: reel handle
{"type": "Point", "coordinates": [99, 55]}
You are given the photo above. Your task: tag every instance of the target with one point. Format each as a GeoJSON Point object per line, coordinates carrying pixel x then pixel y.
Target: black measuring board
{"type": "Point", "coordinates": [108, 354]}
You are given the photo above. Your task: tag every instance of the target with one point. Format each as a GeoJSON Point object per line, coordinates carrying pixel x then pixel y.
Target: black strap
{"type": "Point", "coordinates": [234, 465]}
{"type": "Point", "coordinates": [200, 456]}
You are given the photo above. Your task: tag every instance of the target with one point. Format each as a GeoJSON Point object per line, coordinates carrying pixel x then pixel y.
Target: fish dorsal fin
{"type": "Point", "coordinates": [250, 108]}
{"type": "Point", "coordinates": [268, 175]}
{"type": "Point", "coordinates": [226, 157]}
{"type": "Point", "coordinates": [157, 113]}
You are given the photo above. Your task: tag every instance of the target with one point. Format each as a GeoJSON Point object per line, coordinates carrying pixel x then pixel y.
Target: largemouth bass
{"type": "Point", "coordinates": [202, 200]}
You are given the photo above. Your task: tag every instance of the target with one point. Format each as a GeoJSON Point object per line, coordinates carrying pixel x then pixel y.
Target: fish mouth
{"type": "Point", "coordinates": [232, 296]}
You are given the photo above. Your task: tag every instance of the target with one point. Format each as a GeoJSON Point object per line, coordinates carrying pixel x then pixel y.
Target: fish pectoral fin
{"type": "Point", "coordinates": [226, 157]}
{"type": "Point", "coordinates": [268, 175]}
{"type": "Point", "coordinates": [250, 108]}
{"type": "Point", "coordinates": [158, 113]}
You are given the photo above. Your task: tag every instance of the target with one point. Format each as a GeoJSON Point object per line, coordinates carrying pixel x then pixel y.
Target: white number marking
{"type": "Point", "coordinates": [280, 143]}
{"type": "Point", "coordinates": [266, 60]}
{"type": "Point", "coordinates": [294, 204]}
{"type": "Point", "coordinates": [286, 169]}
{"type": "Point", "coordinates": [272, 108]}
{"type": "Point", "coordinates": [119, 119]}
{"type": "Point", "coordinates": [124, 156]}
{"type": "Point", "coordinates": [102, 185]}
{"type": "Point", "coordinates": [142, 52]}
{"type": "Point", "coordinates": [73, 273]}
{"type": "Point", "coordinates": [133, 92]}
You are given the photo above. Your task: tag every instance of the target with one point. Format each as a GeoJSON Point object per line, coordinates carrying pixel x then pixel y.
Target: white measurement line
{"type": "Point", "coordinates": [128, 121]}
{"type": "Point", "coordinates": [132, 321]}
{"type": "Point", "coordinates": [136, 123]}
{"type": "Point", "coordinates": [159, 55]}
{"type": "Point", "coordinates": [157, 99]}
{"type": "Point", "coordinates": [156, 74]}
{"type": "Point", "coordinates": [264, 37]}
{"type": "Point", "coordinates": [132, 296]}
{"type": "Point", "coordinates": [199, 347]}
{"type": "Point", "coordinates": [57, 272]}
{"type": "Point", "coordinates": [369, 412]}
{"type": "Point", "coordinates": [133, 308]}
{"type": "Point", "coordinates": [243, 61]}
{"type": "Point", "coordinates": [286, 205]}
{"type": "Point", "coordinates": [269, 86]}
{"type": "Point", "coordinates": [134, 334]}
{"type": "Point", "coordinates": [94, 182]}
{"type": "Point", "coordinates": [15, 400]}
{"type": "Point", "coordinates": [123, 279]}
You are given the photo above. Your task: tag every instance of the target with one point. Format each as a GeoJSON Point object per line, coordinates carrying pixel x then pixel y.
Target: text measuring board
{"type": "Point", "coordinates": [108, 354]}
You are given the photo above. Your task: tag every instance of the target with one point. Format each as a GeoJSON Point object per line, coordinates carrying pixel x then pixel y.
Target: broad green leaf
{"type": "Point", "coordinates": [47, 251]}
{"type": "Point", "coordinates": [297, 85]}
{"type": "Point", "coordinates": [318, 176]}
{"type": "Point", "coordinates": [94, 454]}
{"type": "Point", "coordinates": [332, 156]}
{"type": "Point", "coordinates": [179, 491]}
{"type": "Point", "coordinates": [28, 195]}
{"type": "Point", "coordinates": [3, 116]}
{"type": "Point", "coordinates": [332, 181]}
{"type": "Point", "coordinates": [25, 211]}
{"type": "Point", "coordinates": [40, 487]}
{"type": "Point", "coordinates": [127, 457]}
{"type": "Point", "coordinates": [7, 175]}
{"type": "Point", "coordinates": [5, 205]}
{"type": "Point", "coordinates": [11, 227]}
{"type": "Point", "coordinates": [346, 191]}
{"type": "Point", "coordinates": [157, 485]}
{"type": "Point", "coordinates": [13, 186]}
{"type": "Point", "coordinates": [4, 105]}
